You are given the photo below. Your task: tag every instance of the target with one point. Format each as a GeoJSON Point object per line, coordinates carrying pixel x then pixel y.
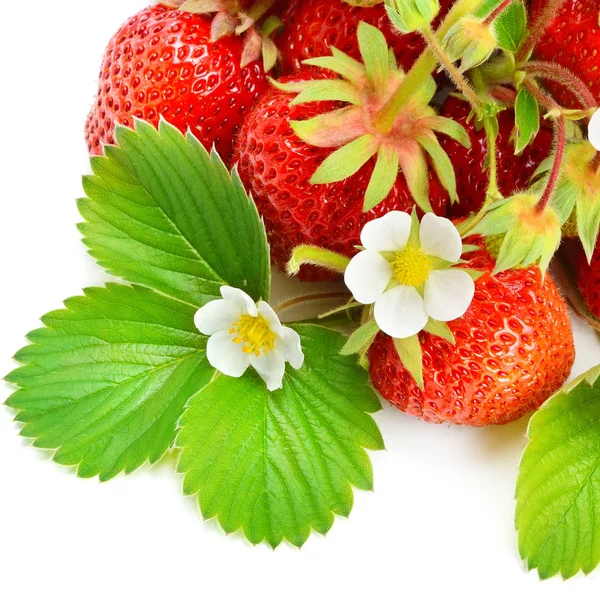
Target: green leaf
{"type": "Point", "coordinates": [374, 50]}
{"type": "Point", "coordinates": [162, 212]}
{"type": "Point", "coordinates": [527, 117]}
{"type": "Point", "coordinates": [383, 178]}
{"type": "Point", "coordinates": [558, 491]}
{"type": "Point", "coordinates": [107, 379]}
{"type": "Point", "coordinates": [510, 26]}
{"type": "Point", "coordinates": [440, 329]}
{"type": "Point", "coordinates": [360, 338]}
{"type": "Point", "coordinates": [411, 354]}
{"type": "Point", "coordinates": [278, 464]}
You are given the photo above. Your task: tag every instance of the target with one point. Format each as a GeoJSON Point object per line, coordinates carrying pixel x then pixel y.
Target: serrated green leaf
{"type": "Point", "coordinates": [510, 26]}
{"type": "Point", "coordinates": [360, 338]}
{"type": "Point", "coordinates": [107, 379]}
{"type": "Point", "coordinates": [277, 465]}
{"type": "Point", "coordinates": [527, 118]}
{"type": "Point", "coordinates": [162, 212]}
{"type": "Point", "coordinates": [558, 490]}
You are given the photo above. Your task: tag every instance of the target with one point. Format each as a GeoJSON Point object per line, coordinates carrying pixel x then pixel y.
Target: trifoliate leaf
{"type": "Point", "coordinates": [277, 465]}
{"type": "Point", "coordinates": [162, 212]}
{"type": "Point", "coordinates": [107, 379]}
{"type": "Point", "coordinates": [527, 118]}
{"type": "Point", "coordinates": [558, 491]}
{"type": "Point", "coordinates": [510, 26]}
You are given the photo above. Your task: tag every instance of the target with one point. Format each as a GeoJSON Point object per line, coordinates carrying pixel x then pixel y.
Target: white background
{"type": "Point", "coordinates": [440, 523]}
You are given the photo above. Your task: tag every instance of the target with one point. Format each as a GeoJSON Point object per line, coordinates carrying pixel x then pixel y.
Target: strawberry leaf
{"type": "Point", "coordinates": [510, 26]}
{"type": "Point", "coordinates": [162, 212]}
{"type": "Point", "coordinates": [527, 118]}
{"type": "Point", "coordinates": [558, 491]}
{"type": "Point", "coordinates": [107, 379]}
{"type": "Point", "coordinates": [278, 464]}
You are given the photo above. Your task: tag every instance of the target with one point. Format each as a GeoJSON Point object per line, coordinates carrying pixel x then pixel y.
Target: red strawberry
{"type": "Point", "coordinates": [514, 348]}
{"type": "Point", "coordinates": [313, 26]}
{"type": "Point", "coordinates": [573, 41]}
{"type": "Point", "coordinates": [276, 167]}
{"type": "Point", "coordinates": [588, 279]}
{"type": "Point", "coordinates": [162, 63]}
{"type": "Point", "coordinates": [514, 172]}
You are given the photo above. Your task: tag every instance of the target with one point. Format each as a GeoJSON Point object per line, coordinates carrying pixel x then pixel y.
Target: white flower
{"type": "Point", "coordinates": [244, 333]}
{"type": "Point", "coordinates": [406, 271]}
{"type": "Point", "coordinates": [594, 130]}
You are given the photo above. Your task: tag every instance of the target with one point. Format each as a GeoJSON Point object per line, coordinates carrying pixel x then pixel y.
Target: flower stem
{"type": "Point", "coordinates": [556, 166]}
{"type": "Point", "coordinates": [568, 79]}
{"type": "Point", "coordinates": [497, 12]}
{"type": "Point", "coordinates": [459, 79]}
{"type": "Point", "coordinates": [422, 68]}
{"type": "Point", "coordinates": [538, 28]}
{"type": "Point", "coordinates": [310, 298]}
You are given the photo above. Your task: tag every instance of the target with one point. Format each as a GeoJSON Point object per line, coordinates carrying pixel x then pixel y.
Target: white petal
{"type": "Point", "coordinates": [387, 234]}
{"type": "Point", "coordinates": [400, 312]}
{"type": "Point", "coordinates": [271, 367]}
{"type": "Point", "coordinates": [290, 348]}
{"type": "Point", "coordinates": [226, 356]}
{"type": "Point", "coordinates": [367, 276]}
{"type": "Point", "coordinates": [270, 316]}
{"type": "Point", "coordinates": [217, 315]}
{"type": "Point", "coordinates": [240, 299]}
{"type": "Point", "coordinates": [594, 130]}
{"type": "Point", "coordinates": [439, 237]}
{"type": "Point", "coordinates": [448, 294]}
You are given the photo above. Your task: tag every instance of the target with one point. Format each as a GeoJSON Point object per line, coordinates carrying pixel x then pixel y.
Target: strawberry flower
{"type": "Point", "coordinates": [594, 130]}
{"type": "Point", "coordinates": [407, 270]}
{"type": "Point", "coordinates": [244, 333]}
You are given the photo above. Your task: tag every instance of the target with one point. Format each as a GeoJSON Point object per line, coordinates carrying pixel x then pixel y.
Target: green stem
{"type": "Point", "coordinates": [538, 28]}
{"type": "Point", "coordinates": [310, 298]}
{"type": "Point", "coordinates": [422, 68]}
{"type": "Point", "coordinates": [568, 79]}
{"type": "Point", "coordinates": [454, 73]}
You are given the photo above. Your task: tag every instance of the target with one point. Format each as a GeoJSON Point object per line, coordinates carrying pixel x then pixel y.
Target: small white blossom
{"type": "Point", "coordinates": [408, 273]}
{"type": "Point", "coordinates": [594, 130]}
{"type": "Point", "coordinates": [244, 333]}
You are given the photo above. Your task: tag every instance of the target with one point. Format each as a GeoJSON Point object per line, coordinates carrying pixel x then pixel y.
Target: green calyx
{"type": "Point", "coordinates": [412, 15]}
{"type": "Point", "coordinates": [471, 40]}
{"type": "Point", "coordinates": [356, 133]}
{"type": "Point", "coordinates": [521, 233]}
{"type": "Point", "coordinates": [578, 193]}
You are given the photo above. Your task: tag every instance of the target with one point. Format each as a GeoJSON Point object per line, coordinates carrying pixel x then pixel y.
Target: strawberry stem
{"type": "Point", "coordinates": [422, 68]}
{"type": "Point", "coordinates": [559, 154]}
{"type": "Point", "coordinates": [565, 77]}
{"type": "Point", "coordinates": [310, 298]}
{"type": "Point", "coordinates": [497, 12]}
{"type": "Point", "coordinates": [538, 28]}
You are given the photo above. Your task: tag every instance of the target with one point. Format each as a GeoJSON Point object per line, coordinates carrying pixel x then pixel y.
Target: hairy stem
{"type": "Point", "coordinates": [310, 298]}
{"type": "Point", "coordinates": [422, 68]}
{"type": "Point", "coordinates": [497, 12]}
{"type": "Point", "coordinates": [538, 28]}
{"type": "Point", "coordinates": [568, 79]}
{"type": "Point", "coordinates": [559, 155]}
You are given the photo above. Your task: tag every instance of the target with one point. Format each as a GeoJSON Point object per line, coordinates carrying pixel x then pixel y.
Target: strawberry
{"type": "Point", "coordinates": [514, 348]}
{"type": "Point", "coordinates": [514, 172]}
{"type": "Point", "coordinates": [162, 63]}
{"type": "Point", "coordinates": [588, 279]}
{"type": "Point", "coordinates": [313, 26]}
{"type": "Point", "coordinates": [572, 40]}
{"type": "Point", "coordinates": [276, 167]}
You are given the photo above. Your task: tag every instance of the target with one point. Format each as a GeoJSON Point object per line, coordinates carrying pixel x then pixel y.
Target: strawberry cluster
{"type": "Point", "coordinates": [338, 112]}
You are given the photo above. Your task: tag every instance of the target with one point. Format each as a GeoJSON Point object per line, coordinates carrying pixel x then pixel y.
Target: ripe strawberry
{"type": "Point", "coordinates": [276, 167]}
{"type": "Point", "coordinates": [514, 348]}
{"type": "Point", "coordinates": [588, 279]}
{"type": "Point", "coordinates": [572, 40]}
{"type": "Point", "coordinates": [514, 172]}
{"type": "Point", "coordinates": [161, 63]}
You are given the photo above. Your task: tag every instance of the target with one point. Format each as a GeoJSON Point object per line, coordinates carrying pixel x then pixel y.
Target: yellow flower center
{"type": "Point", "coordinates": [411, 266]}
{"type": "Point", "coordinates": [254, 334]}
